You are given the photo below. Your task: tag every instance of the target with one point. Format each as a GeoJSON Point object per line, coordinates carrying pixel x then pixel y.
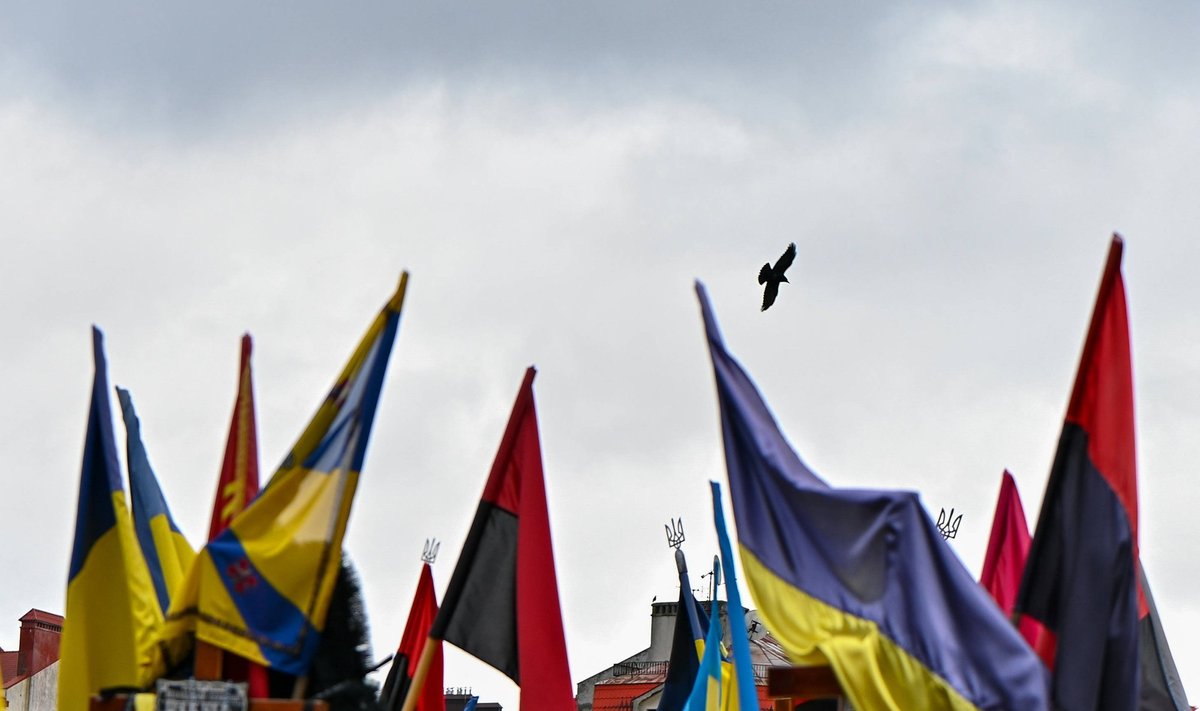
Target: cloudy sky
{"type": "Point", "coordinates": [555, 176]}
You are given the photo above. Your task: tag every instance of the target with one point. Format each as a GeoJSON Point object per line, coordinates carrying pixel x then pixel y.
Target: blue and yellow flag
{"type": "Point", "coordinates": [112, 618]}
{"type": "Point", "coordinates": [740, 693]}
{"type": "Point", "coordinates": [859, 579]}
{"type": "Point", "coordinates": [687, 644]}
{"type": "Point", "coordinates": [261, 588]}
{"type": "Point", "coordinates": [168, 554]}
{"type": "Point", "coordinates": [706, 690]}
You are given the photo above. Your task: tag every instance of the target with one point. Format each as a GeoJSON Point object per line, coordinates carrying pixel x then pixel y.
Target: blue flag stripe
{"type": "Point", "coordinates": [101, 470]}
{"type": "Point", "coordinates": [147, 498]}
{"type": "Point", "coordinates": [274, 616]}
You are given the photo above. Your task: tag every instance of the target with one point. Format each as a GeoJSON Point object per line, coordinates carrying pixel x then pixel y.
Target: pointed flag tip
{"type": "Point", "coordinates": [247, 344]}
{"type": "Point", "coordinates": [710, 320]}
{"type": "Point", "coordinates": [1116, 248]}
{"type": "Point", "coordinates": [97, 345]}
{"type": "Point", "coordinates": [397, 299]}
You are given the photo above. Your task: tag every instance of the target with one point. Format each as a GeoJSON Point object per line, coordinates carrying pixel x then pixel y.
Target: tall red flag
{"type": "Point", "coordinates": [236, 488]}
{"type": "Point", "coordinates": [404, 665]}
{"type": "Point", "coordinates": [238, 484]}
{"type": "Point", "coordinates": [502, 602]}
{"type": "Point", "coordinates": [1081, 579]}
{"type": "Point", "coordinates": [1008, 547]}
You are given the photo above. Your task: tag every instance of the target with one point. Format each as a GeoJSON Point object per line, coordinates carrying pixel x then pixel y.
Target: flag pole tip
{"type": "Point", "coordinates": [398, 298]}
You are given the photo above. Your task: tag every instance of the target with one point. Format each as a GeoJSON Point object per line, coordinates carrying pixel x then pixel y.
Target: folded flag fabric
{"type": "Point", "coordinates": [687, 643]}
{"type": "Point", "coordinates": [858, 579]}
{"type": "Point", "coordinates": [743, 695]}
{"type": "Point", "coordinates": [238, 483]}
{"type": "Point", "coordinates": [1004, 562]}
{"type": "Point", "coordinates": [168, 553]}
{"type": "Point", "coordinates": [261, 588]}
{"type": "Point", "coordinates": [404, 665]}
{"type": "Point", "coordinates": [1162, 689]}
{"type": "Point", "coordinates": [1080, 580]}
{"type": "Point", "coordinates": [501, 605]}
{"type": "Point", "coordinates": [707, 689]}
{"type": "Point", "coordinates": [112, 618]}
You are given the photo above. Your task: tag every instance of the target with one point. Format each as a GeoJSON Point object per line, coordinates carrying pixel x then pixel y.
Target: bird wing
{"type": "Point", "coordinates": [769, 294]}
{"type": "Point", "coordinates": [764, 273]}
{"type": "Point", "coordinates": [785, 261]}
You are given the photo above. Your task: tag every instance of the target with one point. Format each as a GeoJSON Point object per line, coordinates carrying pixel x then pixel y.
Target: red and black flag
{"type": "Point", "coordinates": [1081, 578]}
{"type": "Point", "coordinates": [502, 602]}
{"type": "Point", "coordinates": [404, 665]}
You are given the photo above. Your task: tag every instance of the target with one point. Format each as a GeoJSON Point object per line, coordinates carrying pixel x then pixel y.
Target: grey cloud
{"type": "Point", "coordinates": [555, 179]}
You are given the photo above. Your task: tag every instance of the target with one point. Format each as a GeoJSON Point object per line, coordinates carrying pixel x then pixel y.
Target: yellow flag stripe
{"type": "Point", "coordinates": [874, 671]}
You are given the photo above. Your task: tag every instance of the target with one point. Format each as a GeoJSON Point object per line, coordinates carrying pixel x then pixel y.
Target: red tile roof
{"type": "Point", "coordinates": [36, 615]}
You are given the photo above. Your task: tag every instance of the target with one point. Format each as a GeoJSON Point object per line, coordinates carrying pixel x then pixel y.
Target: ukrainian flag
{"type": "Point", "coordinates": [741, 693]}
{"type": "Point", "coordinates": [861, 580]}
{"type": "Point", "coordinates": [112, 618]}
{"type": "Point", "coordinates": [687, 644]}
{"type": "Point", "coordinates": [261, 588]}
{"type": "Point", "coordinates": [706, 691]}
{"type": "Point", "coordinates": [168, 554]}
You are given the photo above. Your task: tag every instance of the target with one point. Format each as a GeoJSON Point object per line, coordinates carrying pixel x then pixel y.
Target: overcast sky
{"type": "Point", "coordinates": [555, 176]}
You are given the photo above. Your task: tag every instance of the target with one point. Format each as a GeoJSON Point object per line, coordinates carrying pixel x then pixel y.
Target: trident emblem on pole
{"type": "Point", "coordinates": [429, 553]}
{"type": "Point", "coordinates": [947, 524]}
{"type": "Point", "coordinates": [675, 536]}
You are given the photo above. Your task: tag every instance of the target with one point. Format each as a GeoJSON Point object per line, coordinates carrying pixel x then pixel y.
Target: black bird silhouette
{"type": "Point", "coordinates": [772, 276]}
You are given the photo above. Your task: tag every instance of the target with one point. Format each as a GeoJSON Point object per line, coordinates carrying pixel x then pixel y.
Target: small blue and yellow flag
{"type": "Point", "coordinates": [706, 691]}
{"type": "Point", "coordinates": [112, 619]}
{"type": "Point", "coordinates": [261, 588]}
{"type": "Point", "coordinates": [168, 554]}
{"type": "Point", "coordinates": [687, 644]}
{"type": "Point", "coordinates": [741, 694]}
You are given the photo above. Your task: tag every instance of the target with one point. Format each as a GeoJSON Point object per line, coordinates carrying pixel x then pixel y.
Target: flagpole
{"type": "Point", "coordinates": [418, 681]}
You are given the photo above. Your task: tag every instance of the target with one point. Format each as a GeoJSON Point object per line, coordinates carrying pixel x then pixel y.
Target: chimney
{"type": "Point", "coordinates": [662, 630]}
{"type": "Point", "coordinates": [40, 635]}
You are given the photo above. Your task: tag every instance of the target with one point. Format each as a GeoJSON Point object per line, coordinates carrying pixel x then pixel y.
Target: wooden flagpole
{"type": "Point", "coordinates": [418, 681]}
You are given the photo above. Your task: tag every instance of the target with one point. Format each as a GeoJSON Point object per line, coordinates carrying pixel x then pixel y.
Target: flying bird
{"type": "Point", "coordinates": [772, 276]}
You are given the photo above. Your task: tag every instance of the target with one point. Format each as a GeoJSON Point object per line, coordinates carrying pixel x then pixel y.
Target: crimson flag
{"type": "Point", "coordinates": [1008, 547]}
{"type": "Point", "coordinates": [236, 488]}
{"type": "Point", "coordinates": [238, 484]}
